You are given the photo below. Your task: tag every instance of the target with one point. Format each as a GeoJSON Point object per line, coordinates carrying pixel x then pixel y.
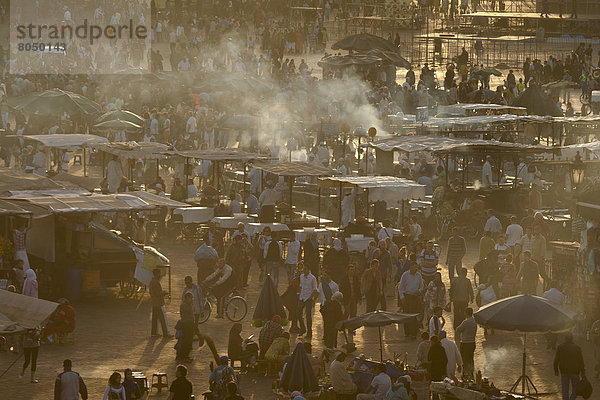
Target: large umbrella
{"type": "Point", "coordinates": [269, 304]}
{"type": "Point", "coordinates": [364, 42]}
{"type": "Point", "coordinates": [391, 57]}
{"type": "Point", "coordinates": [116, 124]}
{"type": "Point", "coordinates": [376, 319]}
{"type": "Point", "coordinates": [524, 313]}
{"type": "Point", "coordinates": [123, 115]}
{"type": "Point", "coordinates": [537, 102]}
{"type": "Point", "coordinates": [54, 102]}
{"type": "Point", "coordinates": [298, 373]}
{"type": "Point", "coordinates": [488, 71]}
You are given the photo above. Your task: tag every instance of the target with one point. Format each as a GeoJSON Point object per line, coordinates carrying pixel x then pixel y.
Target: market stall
{"type": "Point", "coordinates": [293, 171]}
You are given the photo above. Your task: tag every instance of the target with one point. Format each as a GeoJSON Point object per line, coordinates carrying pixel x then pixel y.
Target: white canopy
{"type": "Point", "coordinates": [388, 188]}
{"type": "Point", "coordinates": [66, 141]}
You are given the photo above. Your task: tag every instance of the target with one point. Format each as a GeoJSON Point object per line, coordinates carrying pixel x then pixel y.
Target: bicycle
{"type": "Point", "coordinates": [235, 308]}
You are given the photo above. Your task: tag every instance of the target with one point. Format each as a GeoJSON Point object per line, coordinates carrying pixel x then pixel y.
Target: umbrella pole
{"type": "Point", "coordinates": [524, 380]}
{"type": "Point", "coordinates": [380, 344]}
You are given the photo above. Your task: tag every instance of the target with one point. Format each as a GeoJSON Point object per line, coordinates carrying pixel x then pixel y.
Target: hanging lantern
{"type": "Point", "coordinates": [372, 132]}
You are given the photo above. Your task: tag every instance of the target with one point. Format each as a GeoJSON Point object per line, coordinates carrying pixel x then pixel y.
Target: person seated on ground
{"type": "Point", "coordinates": [268, 333]}
{"type": "Point", "coordinates": [240, 349]}
{"type": "Point", "coordinates": [379, 386]}
{"type": "Point", "coordinates": [398, 391]}
{"type": "Point", "coordinates": [279, 349]}
{"type": "Point", "coordinates": [220, 377]}
{"type": "Point", "coordinates": [61, 322]}
{"type": "Point", "coordinates": [340, 379]}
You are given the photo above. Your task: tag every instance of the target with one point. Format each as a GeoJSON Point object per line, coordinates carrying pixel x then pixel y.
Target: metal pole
{"type": "Point", "coordinates": [84, 160]}
{"type": "Point", "coordinates": [291, 207]}
{"type": "Point", "coordinates": [381, 345]}
{"type": "Point", "coordinates": [244, 185]}
{"type": "Point", "coordinates": [340, 205]}
{"type": "Point", "coordinates": [319, 206]}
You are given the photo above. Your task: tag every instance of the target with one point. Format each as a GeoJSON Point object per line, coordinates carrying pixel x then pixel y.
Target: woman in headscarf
{"type": "Point", "coordinates": [268, 333]}
{"type": "Point", "coordinates": [238, 348]}
{"type": "Point", "coordinates": [132, 390]}
{"type": "Point", "coordinates": [332, 314]}
{"type": "Point", "coordinates": [30, 287]}
{"type": "Point", "coordinates": [336, 260]}
{"type": "Point", "coordinates": [438, 360]}
{"type": "Point", "coordinates": [435, 295]}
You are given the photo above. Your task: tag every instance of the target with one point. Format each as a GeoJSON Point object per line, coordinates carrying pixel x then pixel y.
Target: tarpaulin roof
{"type": "Point", "coordinates": [387, 188]}
{"type": "Point", "coordinates": [82, 204]}
{"type": "Point", "coordinates": [86, 182]}
{"type": "Point", "coordinates": [134, 150]}
{"type": "Point", "coordinates": [294, 169]}
{"type": "Point", "coordinates": [25, 311]}
{"type": "Point", "coordinates": [347, 60]}
{"type": "Point", "coordinates": [159, 201]}
{"type": "Point", "coordinates": [413, 143]}
{"type": "Point", "coordinates": [66, 141]}
{"type": "Point", "coordinates": [364, 42]}
{"type": "Point", "coordinates": [13, 179]}
{"type": "Point", "coordinates": [10, 208]}
{"type": "Point", "coordinates": [221, 155]}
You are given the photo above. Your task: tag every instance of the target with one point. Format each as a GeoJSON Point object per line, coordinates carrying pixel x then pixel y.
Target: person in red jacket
{"type": "Point", "coordinates": [62, 321]}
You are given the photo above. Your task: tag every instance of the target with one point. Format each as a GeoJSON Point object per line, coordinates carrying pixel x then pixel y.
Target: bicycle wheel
{"type": "Point", "coordinates": [205, 314]}
{"type": "Point", "coordinates": [236, 308]}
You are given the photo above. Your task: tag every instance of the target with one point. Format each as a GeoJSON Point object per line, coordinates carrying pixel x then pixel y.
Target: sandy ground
{"type": "Point", "coordinates": [112, 335]}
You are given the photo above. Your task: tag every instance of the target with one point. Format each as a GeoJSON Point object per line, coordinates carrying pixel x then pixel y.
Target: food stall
{"type": "Point", "coordinates": [71, 247]}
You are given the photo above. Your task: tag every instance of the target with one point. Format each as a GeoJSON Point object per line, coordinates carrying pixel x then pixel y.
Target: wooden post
{"type": "Point", "coordinates": [84, 160]}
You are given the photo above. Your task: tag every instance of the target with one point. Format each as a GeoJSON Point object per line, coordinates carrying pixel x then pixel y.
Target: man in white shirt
{"type": "Point", "coordinates": [492, 224]}
{"type": "Point", "coordinates": [323, 292]}
{"type": "Point", "coordinates": [486, 172]}
{"type": "Point", "coordinates": [291, 258]}
{"type": "Point", "coordinates": [340, 379]}
{"type": "Point", "coordinates": [452, 353]}
{"type": "Point", "coordinates": [267, 201]}
{"type": "Point", "coordinates": [241, 229]}
{"type": "Point", "coordinates": [192, 190]}
{"type": "Point", "coordinates": [252, 204]}
{"type": "Point", "coordinates": [154, 125]}
{"type": "Point", "coordinates": [409, 291]}
{"type": "Point", "coordinates": [190, 126]}
{"type": "Point", "coordinates": [308, 293]}
{"type": "Point", "coordinates": [514, 232]}
{"type": "Point", "coordinates": [415, 229]}
{"type": "Point", "coordinates": [385, 233]}
{"type": "Point", "coordinates": [554, 296]}
{"type": "Point", "coordinates": [379, 386]}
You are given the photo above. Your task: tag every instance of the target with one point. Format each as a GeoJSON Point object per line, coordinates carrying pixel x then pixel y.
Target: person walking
{"type": "Point", "coordinates": [157, 298]}
{"type": "Point", "coordinates": [31, 347]}
{"type": "Point", "coordinates": [372, 285]}
{"type": "Point", "coordinates": [461, 294]}
{"type": "Point", "coordinates": [410, 291]}
{"type": "Point", "coordinates": [273, 254]}
{"type": "Point", "coordinates": [308, 293]}
{"type": "Point", "coordinates": [114, 390]}
{"type": "Point", "coordinates": [196, 292]}
{"type": "Point", "coordinates": [435, 295]}
{"type": "Point", "coordinates": [569, 362]}
{"type": "Point", "coordinates": [528, 274]}
{"type": "Point", "coordinates": [132, 390]}
{"type": "Point", "coordinates": [291, 257]}
{"type": "Point", "coordinates": [457, 248]}
{"type": "Point", "coordinates": [181, 388]}
{"type": "Point", "coordinates": [186, 313]}
{"type": "Point", "coordinates": [454, 357]}
{"type": "Point", "coordinates": [69, 385]}
{"type": "Point", "coordinates": [428, 260]}
{"type": "Point", "coordinates": [332, 313]}
{"type": "Point", "coordinates": [350, 287]}
{"type": "Point", "coordinates": [465, 333]}
{"type": "Point", "coordinates": [438, 361]}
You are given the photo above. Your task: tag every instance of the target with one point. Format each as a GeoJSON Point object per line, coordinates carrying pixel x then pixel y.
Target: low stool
{"type": "Point", "coordinates": [159, 384]}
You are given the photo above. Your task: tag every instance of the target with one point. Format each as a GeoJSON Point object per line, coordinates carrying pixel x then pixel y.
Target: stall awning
{"type": "Point", "coordinates": [414, 143]}
{"type": "Point", "coordinates": [158, 201]}
{"type": "Point", "coordinates": [69, 141]}
{"type": "Point", "coordinates": [13, 179]}
{"type": "Point", "coordinates": [83, 204]}
{"type": "Point", "coordinates": [294, 169]}
{"type": "Point", "coordinates": [133, 150]}
{"type": "Point", "coordinates": [10, 208]}
{"type": "Point", "coordinates": [25, 311]}
{"type": "Point", "coordinates": [221, 155]}
{"type": "Point", "coordinates": [387, 188]}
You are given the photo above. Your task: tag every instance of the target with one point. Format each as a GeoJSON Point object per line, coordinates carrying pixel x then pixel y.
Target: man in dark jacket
{"type": "Point", "coordinates": [569, 362]}
{"type": "Point", "coordinates": [69, 385]}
